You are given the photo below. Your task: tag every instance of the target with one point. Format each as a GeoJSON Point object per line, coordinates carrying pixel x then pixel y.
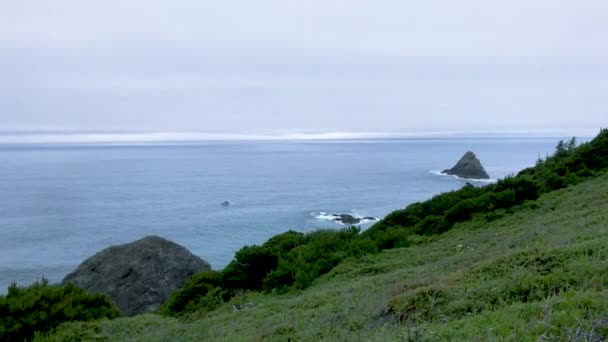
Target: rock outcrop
{"type": "Point", "coordinates": [468, 167]}
{"type": "Point", "coordinates": [350, 219]}
{"type": "Point", "coordinates": [347, 219]}
{"type": "Point", "coordinates": [138, 276]}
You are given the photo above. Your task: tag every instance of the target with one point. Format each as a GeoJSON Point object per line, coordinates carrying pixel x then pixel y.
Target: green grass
{"type": "Point", "coordinates": [539, 273]}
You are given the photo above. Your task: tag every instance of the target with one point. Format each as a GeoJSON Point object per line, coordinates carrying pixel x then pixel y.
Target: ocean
{"type": "Point", "coordinates": [60, 204]}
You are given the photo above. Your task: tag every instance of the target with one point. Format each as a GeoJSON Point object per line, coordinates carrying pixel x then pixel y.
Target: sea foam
{"type": "Point", "coordinates": [439, 173]}
{"type": "Point", "coordinates": [334, 217]}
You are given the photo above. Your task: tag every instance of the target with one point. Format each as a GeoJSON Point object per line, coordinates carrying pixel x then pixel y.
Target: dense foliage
{"type": "Point", "coordinates": [251, 264]}
{"type": "Point", "coordinates": [288, 259]}
{"type": "Point", "coordinates": [320, 252]}
{"type": "Point", "coordinates": [201, 291]}
{"type": "Point", "coordinates": [295, 260]}
{"type": "Point", "coordinates": [41, 307]}
{"type": "Point", "coordinates": [538, 274]}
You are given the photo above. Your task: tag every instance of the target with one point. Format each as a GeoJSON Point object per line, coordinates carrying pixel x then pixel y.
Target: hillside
{"type": "Point", "coordinates": [537, 273]}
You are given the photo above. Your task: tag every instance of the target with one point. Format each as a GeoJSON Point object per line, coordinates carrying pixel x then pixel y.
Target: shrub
{"type": "Point", "coordinates": [193, 295]}
{"type": "Point", "coordinates": [285, 242]}
{"type": "Point", "coordinates": [41, 307]}
{"type": "Point", "coordinates": [322, 250]}
{"type": "Point", "coordinates": [249, 268]}
{"type": "Point", "coordinates": [391, 237]}
{"type": "Point", "coordinates": [252, 264]}
{"type": "Point", "coordinates": [432, 225]}
{"type": "Point", "coordinates": [361, 246]}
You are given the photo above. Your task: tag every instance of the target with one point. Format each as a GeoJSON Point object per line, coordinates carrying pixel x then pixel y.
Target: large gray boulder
{"type": "Point", "coordinates": [138, 276]}
{"type": "Point", "coordinates": [468, 167]}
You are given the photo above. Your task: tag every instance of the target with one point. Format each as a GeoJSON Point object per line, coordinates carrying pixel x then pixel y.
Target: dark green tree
{"type": "Point", "coordinates": [41, 307]}
{"type": "Point", "coordinates": [561, 148]}
{"type": "Point", "coordinates": [571, 144]}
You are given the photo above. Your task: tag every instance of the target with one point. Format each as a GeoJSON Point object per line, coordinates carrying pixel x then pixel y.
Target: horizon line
{"type": "Point", "coordinates": [9, 137]}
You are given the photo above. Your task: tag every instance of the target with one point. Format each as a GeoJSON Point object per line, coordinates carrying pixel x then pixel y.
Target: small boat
{"type": "Point", "coordinates": [225, 203]}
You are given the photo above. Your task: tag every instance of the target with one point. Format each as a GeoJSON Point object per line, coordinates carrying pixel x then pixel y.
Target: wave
{"type": "Point", "coordinates": [439, 173]}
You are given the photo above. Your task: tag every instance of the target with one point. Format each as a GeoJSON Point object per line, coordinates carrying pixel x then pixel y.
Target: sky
{"type": "Point", "coordinates": [284, 68]}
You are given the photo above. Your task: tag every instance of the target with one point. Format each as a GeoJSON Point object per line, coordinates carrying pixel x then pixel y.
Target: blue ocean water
{"type": "Point", "coordinates": [62, 204]}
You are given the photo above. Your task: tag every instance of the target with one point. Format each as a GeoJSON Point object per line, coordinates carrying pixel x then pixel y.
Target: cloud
{"type": "Point", "coordinates": [431, 28]}
{"type": "Point", "coordinates": [274, 67]}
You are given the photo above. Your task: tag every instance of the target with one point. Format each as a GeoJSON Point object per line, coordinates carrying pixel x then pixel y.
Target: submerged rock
{"type": "Point", "coordinates": [138, 276]}
{"type": "Point", "coordinates": [468, 167]}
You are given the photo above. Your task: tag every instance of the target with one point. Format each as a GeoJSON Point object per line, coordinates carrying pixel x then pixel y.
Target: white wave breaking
{"type": "Point", "coordinates": [439, 173]}
{"type": "Point", "coordinates": [336, 217]}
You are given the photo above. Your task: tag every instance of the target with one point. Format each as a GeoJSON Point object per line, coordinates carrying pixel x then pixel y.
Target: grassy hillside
{"type": "Point", "coordinates": [539, 273]}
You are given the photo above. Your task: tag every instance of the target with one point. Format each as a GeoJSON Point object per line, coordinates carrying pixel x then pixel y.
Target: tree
{"type": "Point", "coordinates": [41, 307]}
{"type": "Point", "coordinates": [560, 148]}
{"type": "Point", "coordinates": [571, 144]}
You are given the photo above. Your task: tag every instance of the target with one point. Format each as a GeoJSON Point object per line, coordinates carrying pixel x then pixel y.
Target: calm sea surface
{"type": "Point", "coordinates": [62, 204]}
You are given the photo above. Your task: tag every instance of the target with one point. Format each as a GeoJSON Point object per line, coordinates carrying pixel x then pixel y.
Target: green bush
{"type": "Point", "coordinates": [252, 264]}
{"type": "Point", "coordinates": [41, 307]}
{"type": "Point", "coordinates": [391, 237]}
{"type": "Point", "coordinates": [199, 292]}
{"type": "Point", "coordinates": [432, 224]}
{"type": "Point", "coordinates": [285, 242]}
{"type": "Point", "coordinates": [249, 268]}
{"type": "Point", "coordinates": [322, 251]}
{"type": "Point", "coordinates": [361, 246]}
{"type": "Point", "coordinates": [295, 259]}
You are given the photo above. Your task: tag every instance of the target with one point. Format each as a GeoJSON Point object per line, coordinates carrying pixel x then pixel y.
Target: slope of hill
{"type": "Point", "coordinates": [539, 273]}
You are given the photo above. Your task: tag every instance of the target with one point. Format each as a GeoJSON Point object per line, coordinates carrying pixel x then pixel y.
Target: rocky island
{"type": "Point", "coordinates": [468, 167]}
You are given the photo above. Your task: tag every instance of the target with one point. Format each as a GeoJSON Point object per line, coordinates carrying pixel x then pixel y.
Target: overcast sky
{"type": "Point", "coordinates": [285, 67]}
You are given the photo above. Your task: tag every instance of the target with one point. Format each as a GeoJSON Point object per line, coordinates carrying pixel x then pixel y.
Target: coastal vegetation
{"type": "Point", "coordinates": [41, 307]}
{"type": "Point", "coordinates": [294, 260]}
{"type": "Point", "coordinates": [537, 273]}
{"type": "Point", "coordinates": [479, 261]}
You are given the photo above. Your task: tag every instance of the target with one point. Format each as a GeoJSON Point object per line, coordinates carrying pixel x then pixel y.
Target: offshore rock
{"type": "Point", "coordinates": [350, 219]}
{"type": "Point", "coordinates": [468, 167]}
{"type": "Point", "coordinates": [138, 276]}
{"type": "Point", "coordinates": [346, 219]}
